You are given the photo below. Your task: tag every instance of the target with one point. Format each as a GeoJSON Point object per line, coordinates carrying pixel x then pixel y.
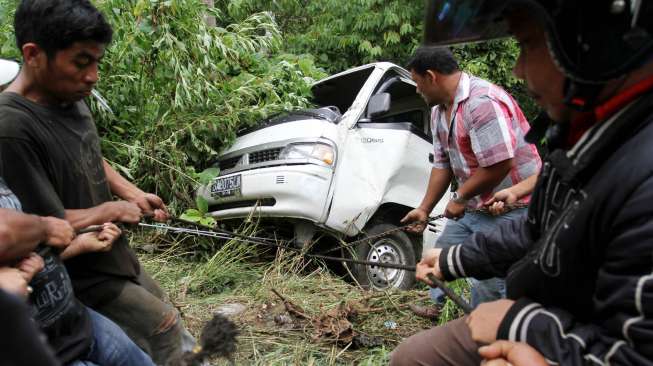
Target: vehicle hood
{"type": "Point", "coordinates": [303, 129]}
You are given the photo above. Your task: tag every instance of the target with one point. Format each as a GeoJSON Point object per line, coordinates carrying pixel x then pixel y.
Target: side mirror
{"type": "Point", "coordinates": [379, 104]}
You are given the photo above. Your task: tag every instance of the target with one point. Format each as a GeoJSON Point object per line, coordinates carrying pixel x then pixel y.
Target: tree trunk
{"type": "Point", "coordinates": [209, 19]}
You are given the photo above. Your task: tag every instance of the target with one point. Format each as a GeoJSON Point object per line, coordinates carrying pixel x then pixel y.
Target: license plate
{"type": "Point", "coordinates": [227, 186]}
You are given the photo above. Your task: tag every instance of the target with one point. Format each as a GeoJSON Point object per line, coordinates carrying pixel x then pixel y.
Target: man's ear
{"type": "Point", "coordinates": [431, 76]}
{"type": "Point", "coordinates": [33, 55]}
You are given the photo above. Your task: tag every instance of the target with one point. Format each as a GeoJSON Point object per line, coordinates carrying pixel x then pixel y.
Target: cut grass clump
{"type": "Point", "coordinates": [199, 284]}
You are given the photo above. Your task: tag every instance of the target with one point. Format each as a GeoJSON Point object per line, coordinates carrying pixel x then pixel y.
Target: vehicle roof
{"type": "Point", "coordinates": [379, 65]}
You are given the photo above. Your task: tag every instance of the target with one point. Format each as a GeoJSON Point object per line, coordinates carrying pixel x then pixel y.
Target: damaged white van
{"type": "Point", "coordinates": [353, 166]}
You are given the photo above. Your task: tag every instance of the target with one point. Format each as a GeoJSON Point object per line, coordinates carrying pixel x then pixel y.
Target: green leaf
{"type": "Point", "coordinates": [405, 29]}
{"type": "Point", "coordinates": [208, 221]}
{"type": "Point", "coordinates": [207, 175]}
{"type": "Point", "coordinates": [192, 215]}
{"type": "Point", "coordinates": [202, 205]}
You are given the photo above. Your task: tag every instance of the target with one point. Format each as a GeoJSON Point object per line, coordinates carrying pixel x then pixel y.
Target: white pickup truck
{"type": "Point", "coordinates": [353, 166]}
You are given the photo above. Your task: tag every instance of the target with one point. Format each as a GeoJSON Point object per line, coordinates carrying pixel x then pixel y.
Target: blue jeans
{"type": "Point", "coordinates": [111, 346]}
{"type": "Point", "coordinates": [455, 232]}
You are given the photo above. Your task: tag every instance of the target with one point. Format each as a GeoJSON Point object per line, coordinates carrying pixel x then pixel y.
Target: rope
{"type": "Point", "coordinates": [369, 239]}
{"type": "Point", "coordinates": [217, 233]}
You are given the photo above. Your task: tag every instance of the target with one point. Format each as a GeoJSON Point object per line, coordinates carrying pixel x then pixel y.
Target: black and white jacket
{"type": "Point", "coordinates": [580, 265]}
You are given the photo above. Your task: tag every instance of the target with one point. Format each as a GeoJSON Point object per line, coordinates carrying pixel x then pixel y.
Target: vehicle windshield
{"type": "Point", "coordinates": [341, 91]}
{"type": "Point", "coordinates": [332, 97]}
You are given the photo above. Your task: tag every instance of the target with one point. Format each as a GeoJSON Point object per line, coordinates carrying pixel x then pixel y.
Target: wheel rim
{"type": "Point", "coordinates": [385, 251]}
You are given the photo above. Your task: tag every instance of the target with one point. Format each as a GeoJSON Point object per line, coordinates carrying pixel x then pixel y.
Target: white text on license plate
{"type": "Point", "coordinates": [227, 186]}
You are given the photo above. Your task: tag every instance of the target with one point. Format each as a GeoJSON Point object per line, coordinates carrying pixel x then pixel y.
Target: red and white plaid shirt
{"type": "Point", "coordinates": [487, 127]}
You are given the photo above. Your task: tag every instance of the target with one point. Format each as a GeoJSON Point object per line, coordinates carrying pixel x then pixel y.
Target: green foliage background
{"type": "Point", "coordinates": [181, 89]}
{"type": "Point", "coordinates": [340, 34]}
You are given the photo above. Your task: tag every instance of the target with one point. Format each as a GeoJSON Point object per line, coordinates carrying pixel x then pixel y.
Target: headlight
{"type": "Point", "coordinates": [314, 150]}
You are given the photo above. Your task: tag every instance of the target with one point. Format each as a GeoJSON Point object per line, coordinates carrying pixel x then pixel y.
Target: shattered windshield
{"type": "Point", "coordinates": [332, 97]}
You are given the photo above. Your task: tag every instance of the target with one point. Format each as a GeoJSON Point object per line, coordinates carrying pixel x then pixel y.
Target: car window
{"type": "Point", "coordinates": [407, 106]}
{"type": "Point", "coordinates": [340, 91]}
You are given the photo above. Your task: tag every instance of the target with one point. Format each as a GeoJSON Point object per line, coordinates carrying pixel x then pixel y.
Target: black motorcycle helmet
{"type": "Point", "coordinates": [591, 41]}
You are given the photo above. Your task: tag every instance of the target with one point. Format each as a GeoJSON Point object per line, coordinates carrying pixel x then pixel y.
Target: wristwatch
{"type": "Point", "coordinates": [457, 198]}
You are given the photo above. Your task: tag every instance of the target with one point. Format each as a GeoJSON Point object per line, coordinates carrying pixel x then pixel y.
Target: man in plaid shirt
{"type": "Point", "coordinates": [478, 140]}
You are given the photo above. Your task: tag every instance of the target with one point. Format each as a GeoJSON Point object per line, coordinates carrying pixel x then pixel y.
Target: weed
{"type": "Point", "coordinates": [235, 273]}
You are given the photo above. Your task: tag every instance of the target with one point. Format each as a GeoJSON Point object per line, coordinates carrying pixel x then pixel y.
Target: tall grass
{"type": "Point", "coordinates": [233, 272]}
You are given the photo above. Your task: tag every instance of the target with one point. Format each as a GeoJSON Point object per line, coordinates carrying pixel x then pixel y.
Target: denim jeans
{"type": "Point", "coordinates": [455, 232]}
{"type": "Point", "coordinates": [111, 346]}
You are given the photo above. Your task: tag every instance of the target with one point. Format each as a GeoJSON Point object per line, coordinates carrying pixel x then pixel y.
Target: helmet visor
{"type": "Point", "coordinates": [450, 22]}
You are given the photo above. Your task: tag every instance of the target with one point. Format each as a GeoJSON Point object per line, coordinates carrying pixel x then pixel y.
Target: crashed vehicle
{"type": "Point", "coordinates": [353, 166]}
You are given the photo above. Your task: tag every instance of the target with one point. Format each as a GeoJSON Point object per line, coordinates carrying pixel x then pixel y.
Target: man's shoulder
{"type": "Point", "coordinates": [15, 119]}
{"type": "Point", "coordinates": [483, 92]}
{"type": "Point", "coordinates": [481, 89]}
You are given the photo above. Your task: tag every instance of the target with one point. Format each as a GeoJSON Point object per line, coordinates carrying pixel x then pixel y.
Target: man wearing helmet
{"type": "Point", "coordinates": [578, 266]}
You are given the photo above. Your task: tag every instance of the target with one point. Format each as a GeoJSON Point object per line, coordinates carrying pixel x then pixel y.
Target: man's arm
{"type": "Point", "coordinates": [120, 186]}
{"type": "Point", "coordinates": [487, 254]}
{"type": "Point", "coordinates": [510, 195]}
{"type": "Point", "coordinates": [489, 133]}
{"type": "Point", "coordinates": [93, 242]}
{"type": "Point", "coordinates": [438, 182]}
{"type": "Point", "coordinates": [114, 211]}
{"type": "Point", "coordinates": [148, 203]}
{"type": "Point", "coordinates": [482, 255]}
{"type": "Point", "coordinates": [483, 180]}
{"type": "Point", "coordinates": [621, 329]}
{"type": "Point", "coordinates": [21, 233]}
{"type": "Point", "coordinates": [130, 210]}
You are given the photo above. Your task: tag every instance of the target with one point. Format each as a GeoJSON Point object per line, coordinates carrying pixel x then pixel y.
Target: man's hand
{"type": "Point", "coordinates": [484, 321]}
{"type": "Point", "coordinates": [454, 210]}
{"type": "Point", "coordinates": [93, 242]}
{"type": "Point", "coordinates": [13, 281]}
{"type": "Point", "coordinates": [418, 216]}
{"type": "Point", "coordinates": [505, 353]}
{"type": "Point", "coordinates": [496, 204]}
{"type": "Point", "coordinates": [151, 204]}
{"type": "Point", "coordinates": [59, 232]}
{"type": "Point", "coordinates": [429, 264]}
{"type": "Point", "coordinates": [30, 266]}
{"type": "Point", "coordinates": [123, 211]}
{"type": "Point", "coordinates": [99, 242]}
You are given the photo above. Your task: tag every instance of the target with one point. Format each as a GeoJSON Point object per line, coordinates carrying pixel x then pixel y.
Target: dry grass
{"type": "Point", "coordinates": [237, 274]}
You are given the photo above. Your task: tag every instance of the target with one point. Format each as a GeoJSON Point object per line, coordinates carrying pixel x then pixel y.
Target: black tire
{"type": "Point", "coordinates": [393, 248]}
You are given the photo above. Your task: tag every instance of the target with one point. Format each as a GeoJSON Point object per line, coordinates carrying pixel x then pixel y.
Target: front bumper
{"type": "Point", "coordinates": [289, 191]}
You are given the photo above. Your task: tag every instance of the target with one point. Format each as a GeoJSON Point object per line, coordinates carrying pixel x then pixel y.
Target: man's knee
{"type": "Point", "coordinates": [449, 345]}
{"type": "Point", "coordinates": [402, 355]}
{"type": "Point", "coordinates": [415, 349]}
{"type": "Point", "coordinates": [170, 319]}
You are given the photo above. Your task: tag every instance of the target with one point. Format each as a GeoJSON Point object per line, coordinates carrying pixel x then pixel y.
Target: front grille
{"type": "Point", "coordinates": [229, 163]}
{"type": "Point", "coordinates": [264, 155]}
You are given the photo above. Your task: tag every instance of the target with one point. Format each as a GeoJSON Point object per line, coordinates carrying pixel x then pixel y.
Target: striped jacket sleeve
{"type": "Point", "coordinates": [620, 326]}
{"type": "Point", "coordinates": [489, 254]}
{"type": "Point", "coordinates": [620, 331]}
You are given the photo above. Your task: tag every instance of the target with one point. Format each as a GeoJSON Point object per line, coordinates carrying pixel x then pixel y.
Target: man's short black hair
{"type": "Point", "coordinates": [439, 59]}
{"type": "Point", "coordinates": [55, 25]}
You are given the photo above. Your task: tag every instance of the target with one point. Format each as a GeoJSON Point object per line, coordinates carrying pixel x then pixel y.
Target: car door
{"type": "Point", "coordinates": [386, 157]}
